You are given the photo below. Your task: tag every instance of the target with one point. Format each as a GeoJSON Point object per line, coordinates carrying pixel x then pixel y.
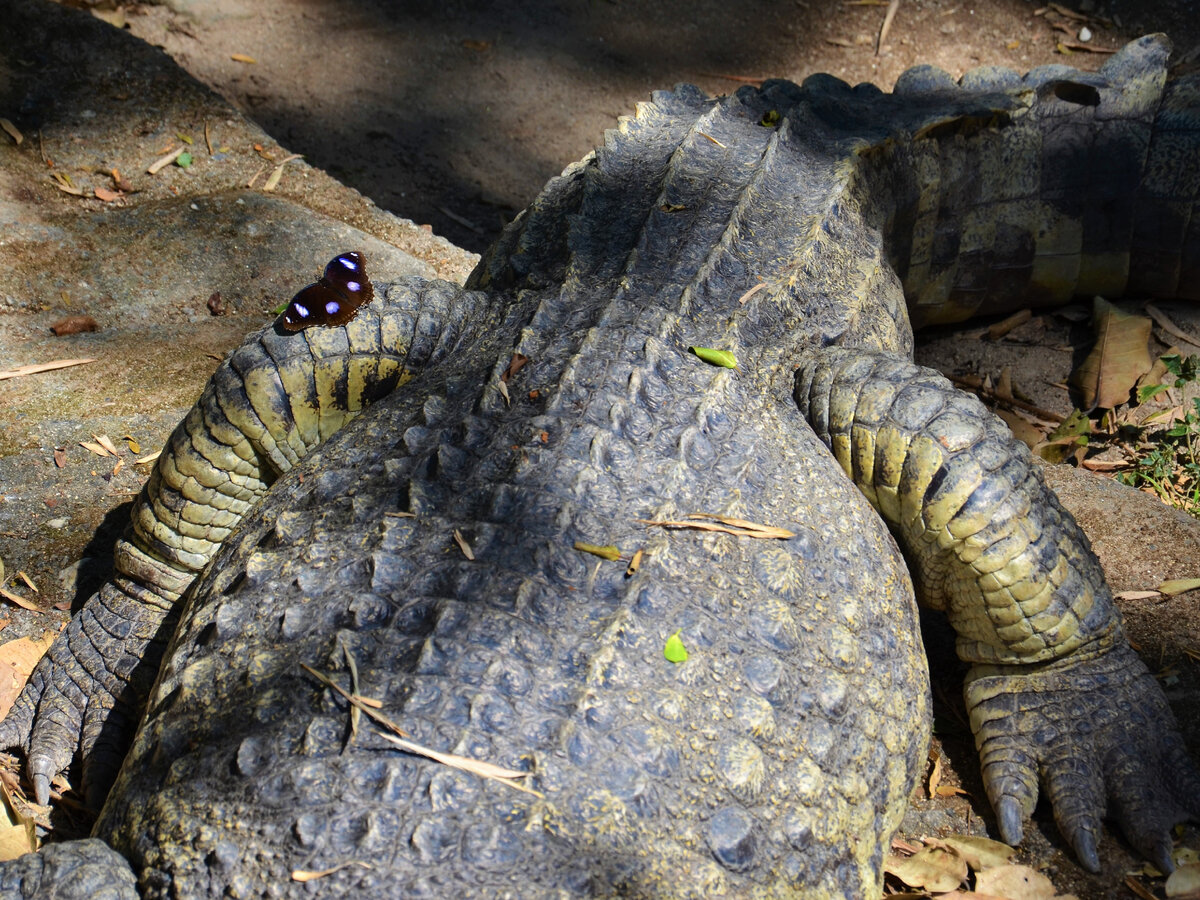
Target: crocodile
{"type": "Point", "coordinates": [418, 514]}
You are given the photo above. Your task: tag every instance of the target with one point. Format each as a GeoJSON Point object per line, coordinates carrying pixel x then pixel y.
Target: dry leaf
{"type": "Point", "coordinates": [103, 441]}
{"type": "Point", "coordinates": [106, 195]}
{"type": "Point", "coordinates": [28, 582]}
{"type": "Point", "coordinates": [74, 325]}
{"type": "Point", "coordinates": [11, 130]}
{"type": "Point", "coordinates": [19, 600]}
{"type": "Point", "coordinates": [272, 181]}
{"type": "Point", "coordinates": [243, 58]}
{"type": "Point", "coordinates": [62, 181]}
{"type": "Point", "coordinates": [17, 659]}
{"type": "Point", "coordinates": [1179, 586]}
{"type": "Point", "coordinates": [463, 545]}
{"type": "Point", "coordinates": [980, 852]}
{"type": "Point", "coordinates": [60, 457]}
{"type": "Point", "coordinates": [1184, 881]}
{"type": "Point", "coordinates": [134, 447]}
{"type": "Point", "coordinates": [148, 458]}
{"type": "Point", "coordinates": [1121, 355]}
{"type": "Point", "coordinates": [1015, 882]}
{"type": "Point", "coordinates": [932, 868]}
{"type": "Point", "coordinates": [95, 448]}
{"type": "Point", "coordinates": [1023, 430]}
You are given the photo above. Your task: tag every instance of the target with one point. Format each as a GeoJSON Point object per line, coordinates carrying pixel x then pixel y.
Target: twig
{"type": "Point", "coordinates": [887, 24]}
{"type": "Point", "coordinates": [1168, 326]}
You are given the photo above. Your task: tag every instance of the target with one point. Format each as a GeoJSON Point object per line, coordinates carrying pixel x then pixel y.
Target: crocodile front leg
{"type": "Point", "coordinates": [270, 402]}
{"type": "Point", "coordinates": [1055, 693]}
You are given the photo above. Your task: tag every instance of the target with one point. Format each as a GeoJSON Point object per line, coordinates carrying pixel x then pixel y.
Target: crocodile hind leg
{"type": "Point", "coordinates": [1055, 693]}
{"type": "Point", "coordinates": [269, 403]}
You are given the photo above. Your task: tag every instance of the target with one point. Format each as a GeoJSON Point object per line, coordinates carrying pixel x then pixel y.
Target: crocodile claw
{"type": "Point", "coordinates": [1098, 736]}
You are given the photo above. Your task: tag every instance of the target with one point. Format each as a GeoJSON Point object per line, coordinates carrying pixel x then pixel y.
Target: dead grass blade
{"type": "Point", "coordinates": [306, 875]}
{"type": "Point", "coordinates": [722, 524]}
{"type": "Point", "coordinates": [466, 764]}
{"type": "Point", "coordinates": [272, 181]}
{"type": "Point", "coordinates": [366, 704]}
{"type": "Point", "coordinates": [35, 368]}
{"type": "Point", "coordinates": [1161, 320]}
{"type": "Point", "coordinates": [887, 24]}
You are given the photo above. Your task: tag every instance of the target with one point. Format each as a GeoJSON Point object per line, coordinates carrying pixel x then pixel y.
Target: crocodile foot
{"type": "Point", "coordinates": [85, 698]}
{"type": "Point", "coordinates": [1098, 735]}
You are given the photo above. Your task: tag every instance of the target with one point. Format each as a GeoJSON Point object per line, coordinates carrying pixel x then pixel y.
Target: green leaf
{"type": "Point", "coordinates": [608, 551]}
{"type": "Point", "coordinates": [279, 309]}
{"type": "Point", "coordinates": [183, 160]}
{"type": "Point", "coordinates": [770, 118]}
{"type": "Point", "coordinates": [723, 358]}
{"type": "Point", "coordinates": [1148, 392]}
{"type": "Point", "coordinates": [674, 650]}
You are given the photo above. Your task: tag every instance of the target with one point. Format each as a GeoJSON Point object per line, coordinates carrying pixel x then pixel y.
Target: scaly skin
{"type": "Point", "coordinates": [777, 760]}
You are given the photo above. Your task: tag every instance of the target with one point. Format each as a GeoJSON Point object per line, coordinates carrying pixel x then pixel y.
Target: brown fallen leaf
{"type": "Point", "coordinates": [74, 325]}
{"type": "Point", "coordinates": [17, 659]}
{"type": "Point", "coordinates": [148, 458]}
{"type": "Point", "coordinates": [93, 447]}
{"type": "Point", "coordinates": [243, 58]}
{"type": "Point", "coordinates": [932, 868]}
{"type": "Point", "coordinates": [216, 306]}
{"type": "Point", "coordinates": [1119, 357]}
{"type": "Point", "coordinates": [19, 600]}
{"type": "Point", "coordinates": [1016, 882]}
{"type": "Point", "coordinates": [60, 457]}
{"type": "Point", "coordinates": [102, 193]}
{"type": "Point", "coordinates": [28, 582]}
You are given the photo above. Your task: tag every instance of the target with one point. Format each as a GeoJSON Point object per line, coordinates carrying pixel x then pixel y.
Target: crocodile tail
{"type": "Point", "coordinates": [1010, 191]}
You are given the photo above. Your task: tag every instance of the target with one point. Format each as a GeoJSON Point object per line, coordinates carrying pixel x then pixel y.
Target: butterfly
{"type": "Point", "coordinates": [335, 299]}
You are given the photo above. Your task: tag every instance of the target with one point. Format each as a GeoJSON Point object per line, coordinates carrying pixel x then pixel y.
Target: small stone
{"type": "Point", "coordinates": [60, 522]}
{"type": "Point", "coordinates": [1085, 34]}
